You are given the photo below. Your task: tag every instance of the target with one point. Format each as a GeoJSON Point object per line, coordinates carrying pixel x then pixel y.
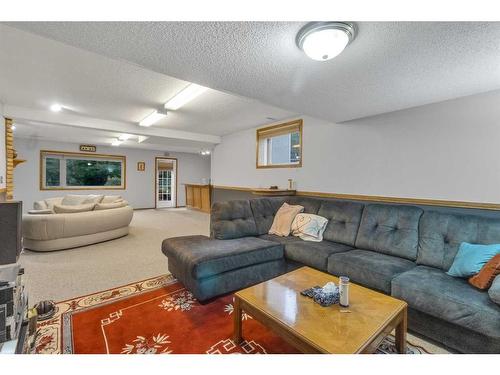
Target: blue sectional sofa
{"type": "Point", "coordinates": [400, 250]}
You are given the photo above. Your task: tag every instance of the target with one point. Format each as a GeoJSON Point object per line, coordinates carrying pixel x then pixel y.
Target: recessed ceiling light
{"type": "Point", "coordinates": [152, 118]}
{"type": "Point", "coordinates": [116, 142]}
{"type": "Point", "coordinates": [205, 152]}
{"type": "Point", "coordinates": [56, 107]}
{"type": "Point", "coordinates": [125, 137]}
{"type": "Point", "coordinates": [323, 41]}
{"type": "Point", "coordinates": [185, 96]}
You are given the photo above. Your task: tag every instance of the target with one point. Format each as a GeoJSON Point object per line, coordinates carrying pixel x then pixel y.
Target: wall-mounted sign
{"type": "Point", "coordinates": [88, 148]}
{"type": "Point", "coordinates": [141, 166]}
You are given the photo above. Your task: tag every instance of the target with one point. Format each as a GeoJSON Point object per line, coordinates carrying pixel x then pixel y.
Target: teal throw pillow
{"type": "Point", "coordinates": [471, 258]}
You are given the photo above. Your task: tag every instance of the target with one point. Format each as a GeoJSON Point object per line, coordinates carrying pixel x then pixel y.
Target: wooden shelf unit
{"type": "Point", "coordinates": [198, 196]}
{"type": "Point", "coordinates": [273, 192]}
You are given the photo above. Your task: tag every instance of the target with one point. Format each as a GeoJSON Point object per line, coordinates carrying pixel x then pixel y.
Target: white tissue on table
{"type": "Point", "coordinates": [330, 287]}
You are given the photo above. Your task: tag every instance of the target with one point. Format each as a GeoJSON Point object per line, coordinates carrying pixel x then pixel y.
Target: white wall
{"type": "Point", "coordinates": [447, 150]}
{"type": "Point", "coordinates": [140, 185]}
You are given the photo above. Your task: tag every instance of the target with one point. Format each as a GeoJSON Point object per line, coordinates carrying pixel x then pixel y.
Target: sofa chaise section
{"type": "Point", "coordinates": [211, 267]}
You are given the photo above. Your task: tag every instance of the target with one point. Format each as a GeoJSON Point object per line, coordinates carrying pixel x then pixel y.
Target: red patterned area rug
{"type": "Point", "coordinates": [158, 316]}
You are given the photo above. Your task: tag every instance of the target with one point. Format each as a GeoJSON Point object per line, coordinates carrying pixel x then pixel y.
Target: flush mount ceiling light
{"type": "Point", "coordinates": [152, 118]}
{"type": "Point", "coordinates": [56, 107]}
{"type": "Point", "coordinates": [185, 96]}
{"type": "Point", "coordinates": [205, 152]}
{"type": "Point", "coordinates": [323, 41]}
{"type": "Point", "coordinates": [116, 142]}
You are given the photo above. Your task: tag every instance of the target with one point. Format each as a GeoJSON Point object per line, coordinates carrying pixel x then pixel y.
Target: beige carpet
{"type": "Point", "coordinates": [61, 275]}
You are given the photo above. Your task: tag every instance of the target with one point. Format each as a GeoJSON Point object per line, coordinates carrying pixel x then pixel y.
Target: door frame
{"type": "Point", "coordinates": [155, 177]}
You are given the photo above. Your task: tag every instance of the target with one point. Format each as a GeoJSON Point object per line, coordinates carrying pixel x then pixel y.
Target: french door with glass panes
{"type": "Point", "coordinates": [166, 182]}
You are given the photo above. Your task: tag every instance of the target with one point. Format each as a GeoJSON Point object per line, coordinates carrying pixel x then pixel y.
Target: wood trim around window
{"type": "Point", "coordinates": [382, 199]}
{"type": "Point", "coordinates": [104, 156]}
{"type": "Point", "coordinates": [299, 124]}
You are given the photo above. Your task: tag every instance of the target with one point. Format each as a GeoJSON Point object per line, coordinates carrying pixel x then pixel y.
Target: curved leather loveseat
{"type": "Point", "coordinates": [67, 230]}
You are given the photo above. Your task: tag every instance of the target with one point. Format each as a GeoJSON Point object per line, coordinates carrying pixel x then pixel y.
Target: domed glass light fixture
{"type": "Point", "coordinates": [323, 41]}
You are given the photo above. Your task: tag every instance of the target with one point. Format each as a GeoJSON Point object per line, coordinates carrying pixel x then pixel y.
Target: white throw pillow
{"type": "Point", "coordinates": [52, 201]}
{"type": "Point", "coordinates": [74, 200]}
{"type": "Point", "coordinates": [108, 206]}
{"type": "Point", "coordinates": [284, 218]}
{"type": "Point", "coordinates": [110, 198]}
{"type": "Point", "coordinates": [309, 227]}
{"type": "Point", "coordinates": [62, 209]}
{"type": "Point", "coordinates": [40, 205]}
{"type": "Point", "coordinates": [93, 198]}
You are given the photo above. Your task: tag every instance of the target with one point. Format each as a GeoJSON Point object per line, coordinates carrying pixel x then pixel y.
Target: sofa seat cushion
{"type": "Point", "coordinates": [369, 268]}
{"type": "Point", "coordinates": [432, 291]}
{"type": "Point", "coordinates": [202, 257]}
{"type": "Point", "coordinates": [313, 254]}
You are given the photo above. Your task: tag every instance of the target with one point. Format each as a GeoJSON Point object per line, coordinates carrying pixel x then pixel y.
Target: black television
{"type": "Point", "coordinates": [11, 214]}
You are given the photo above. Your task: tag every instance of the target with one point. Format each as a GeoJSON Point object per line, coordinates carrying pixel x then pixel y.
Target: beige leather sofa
{"type": "Point", "coordinates": [85, 224]}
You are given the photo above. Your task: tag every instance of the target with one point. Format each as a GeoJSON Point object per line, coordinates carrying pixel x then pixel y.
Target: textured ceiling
{"type": "Point", "coordinates": [389, 66]}
{"type": "Point", "coordinates": [37, 72]}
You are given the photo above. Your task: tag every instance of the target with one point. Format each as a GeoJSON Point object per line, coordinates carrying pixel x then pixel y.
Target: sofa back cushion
{"type": "Point", "coordinates": [441, 235]}
{"type": "Point", "coordinates": [110, 198]}
{"type": "Point", "coordinates": [74, 200]}
{"type": "Point", "coordinates": [264, 210]}
{"type": "Point", "coordinates": [311, 205]}
{"type": "Point", "coordinates": [232, 219]}
{"type": "Point", "coordinates": [343, 221]}
{"type": "Point", "coordinates": [391, 230]}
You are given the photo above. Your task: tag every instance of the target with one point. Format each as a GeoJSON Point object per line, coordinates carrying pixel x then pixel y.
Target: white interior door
{"type": "Point", "coordinates": [166, 182]}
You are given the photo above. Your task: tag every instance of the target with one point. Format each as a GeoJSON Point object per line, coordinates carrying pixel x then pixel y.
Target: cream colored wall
{"type": "Point", "coordinates": [140, 185]}
{"type": "Point", "coordinates": [447, 150]}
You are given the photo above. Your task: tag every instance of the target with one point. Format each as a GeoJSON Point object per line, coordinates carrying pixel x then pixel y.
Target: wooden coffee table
{"type": "Point", "coordinates": [311, 328]}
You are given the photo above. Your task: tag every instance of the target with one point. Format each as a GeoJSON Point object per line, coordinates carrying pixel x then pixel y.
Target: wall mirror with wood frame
{"type": "Point", "coordinates": [280, 146]}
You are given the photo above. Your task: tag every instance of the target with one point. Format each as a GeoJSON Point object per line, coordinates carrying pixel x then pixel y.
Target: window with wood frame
{"type": "Point", "coordinates": [81, 171]}
{"type": "Point", "coordinates": [280, 146]}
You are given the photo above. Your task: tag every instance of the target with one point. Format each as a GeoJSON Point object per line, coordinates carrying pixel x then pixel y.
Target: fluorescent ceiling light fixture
{"type": "Point", "coordinates": [125, 137]}
{"type": "Point", "coordinates": [116, 142]}
{"type": "Point", "coordinates": [152, 118]}
{"type": "Point", "coordinates": [56, 107]}
{"type": "Point", "coordinates": [141, 138]}
{"type": "Point", "coordinates": [185, 96]}
{"type": "Point", "coordinates": [323, 41]}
